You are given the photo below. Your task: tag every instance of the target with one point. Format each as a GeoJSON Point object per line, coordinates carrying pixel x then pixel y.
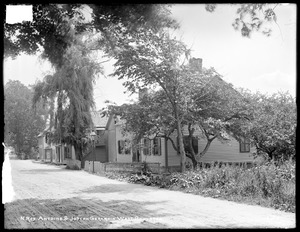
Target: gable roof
{"type": "Point", "coordinates": [98, 119]}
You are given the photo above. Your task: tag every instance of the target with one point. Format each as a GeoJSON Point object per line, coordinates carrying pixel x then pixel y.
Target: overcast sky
{"type": "Point", "coordinates": [267, 64]}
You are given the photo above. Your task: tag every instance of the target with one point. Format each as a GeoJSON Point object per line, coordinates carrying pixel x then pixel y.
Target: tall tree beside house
{"type": "Point", "coordinates": [155, 60]}
{"type": "Point", "coordinates": [209, 104]}
{"type": "Point", "coordinates": [150, 117]}
{"type": "Point", "coordinates": [70, 92]}
{"type": "Point", "coordinates": [22, 124]}
{"type": "Point", "coordinates": [273, 128]}
{"type": "Point", "coordinates": [215, 108]}
{"type": "Point", "coordinates": [158, 60]}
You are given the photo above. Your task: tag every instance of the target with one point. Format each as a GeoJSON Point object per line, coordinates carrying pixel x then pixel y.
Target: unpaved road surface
{"type": "Point", "coordinates": [49, 196]}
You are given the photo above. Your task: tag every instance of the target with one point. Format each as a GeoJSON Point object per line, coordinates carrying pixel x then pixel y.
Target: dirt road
{"type": "Point", "coordinates": [48, 196]}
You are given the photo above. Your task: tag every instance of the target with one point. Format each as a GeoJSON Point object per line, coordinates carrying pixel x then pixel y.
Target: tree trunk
{"type": "Point", "coordinates": [209, 141]}
{"type": "Point", "coordinates": [193, 159]}
{"type": "Point", "coordinates": [78, 153]}
{"type": "Point", "coordinates": [192, 154]}
{"type": "Point", "coordinates": [180, 141]}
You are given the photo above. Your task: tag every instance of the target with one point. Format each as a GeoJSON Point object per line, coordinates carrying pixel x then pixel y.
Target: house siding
{"type": "Point", "coordinates": [225, 152]}
{"type": "Point", "coordinates": [156, 158]}
{"type": "Point", "coordinates": [122, 158]}
{"type": "Point", "coordinates": [218, 151]}
{"type": "Point", "coordinates": [111, 141]}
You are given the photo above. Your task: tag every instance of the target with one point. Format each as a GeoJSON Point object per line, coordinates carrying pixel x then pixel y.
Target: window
{"type": "Point", "coordinates": [121, 146]}
{"type": "Point", "coordinates": [156, 148]}
{"type": "Point", "coordinates": [124, 147]}
{"type": "Point", "coordinates": [244, 145]}
{"type": "Point", "coordinates": [146, 146]}
{"type": "Point", "coordinates": [47, 138]}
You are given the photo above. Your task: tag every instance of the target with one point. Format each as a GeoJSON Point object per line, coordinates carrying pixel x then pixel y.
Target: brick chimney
{"type": "Point", "coordinates": [196, 64]}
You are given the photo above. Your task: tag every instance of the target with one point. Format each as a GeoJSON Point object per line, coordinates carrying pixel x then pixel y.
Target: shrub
{"type": "Point", "coordinates": [269, 184]}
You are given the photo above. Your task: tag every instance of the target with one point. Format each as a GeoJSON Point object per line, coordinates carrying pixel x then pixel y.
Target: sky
{"type": "Point", "coordinates": [266, 64]}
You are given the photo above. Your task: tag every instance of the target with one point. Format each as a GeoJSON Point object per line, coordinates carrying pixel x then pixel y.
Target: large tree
{"type": "Point", "coordinates": [22, 124]}
{"type": "Point", "coordinates": [209, 105]}
{"type": "Point", "coordinates": [68, 46]}
{"type": "Point", "coordinates": [273, 128]}
{"type": "Point", "coordinates": [212, 106]}
{"type": "Point", "coordinates": [53, 26]}
{"type": "Point", "coordinates": [55, 30]}
{"type": "Point", "coordinates": [70, 92]}
{"type": "Point", "coordinates": [160, 61]}
{"type": "Point", "coordinates": [155, 60]}
{"type": "Point", "coordinates": [149, 117]}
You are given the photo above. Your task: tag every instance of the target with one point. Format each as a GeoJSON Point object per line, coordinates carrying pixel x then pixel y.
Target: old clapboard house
{"type": "Point", "coordinates": [162, 152]}
{"type": "Point", "coordinates": [159, 151]}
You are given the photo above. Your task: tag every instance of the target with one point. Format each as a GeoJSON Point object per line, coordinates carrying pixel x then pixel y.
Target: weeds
{"type": "Point", "coordinates": [268, 184]}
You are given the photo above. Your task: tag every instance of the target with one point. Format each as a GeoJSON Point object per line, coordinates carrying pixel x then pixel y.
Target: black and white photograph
{"type": "Point", "coordinates": [149, 116]}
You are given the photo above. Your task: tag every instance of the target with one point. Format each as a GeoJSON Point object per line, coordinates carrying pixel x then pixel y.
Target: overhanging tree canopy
{"type": "Point", "coordinates": [70, 89]}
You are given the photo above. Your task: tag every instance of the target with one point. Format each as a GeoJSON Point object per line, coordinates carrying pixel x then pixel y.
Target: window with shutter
{"type": "Point", "coordinates": [120, 146]}
{"type": "Point", "coordinates": [156, 149]}
{"type": "Point", "coordinates": [244, 145]}
{"type": "Point", "coordinates": [146, 147]}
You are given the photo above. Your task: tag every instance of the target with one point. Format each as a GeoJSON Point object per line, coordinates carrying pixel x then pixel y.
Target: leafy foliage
{"type": "Point", "coordinates": [154, 60]}
{"type": "Point", "coordinates": [70, 90]}
{"type": "Point", "coordinates": [204, 101]}
{"type": "Point", "coordinates": [268, 184]}
{"type": "Point", "coordinates": [213, 107]}
{"type": "Point", "coordinates": [53, 26]}
{"type": "Point", "coordinates": [273, 128]}
{"type": "Point", "coordinates": [22, 124]}
{"type": "Point", "coordinates": [252, 18]}
{"type": "Point", "coordinates": [49, 30]}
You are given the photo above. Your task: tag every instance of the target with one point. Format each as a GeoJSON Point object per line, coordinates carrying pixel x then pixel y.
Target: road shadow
{"type": "Point", "coordinates": [77, 213]}
{"type": "Point", "coordinates": [44, 171]}
{"type": "Point", "coordinates": [55, 168]}
{"type": "Point", "coordinates": [114, 188]}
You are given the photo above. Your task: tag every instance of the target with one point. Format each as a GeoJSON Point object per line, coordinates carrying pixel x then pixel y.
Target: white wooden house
{"type": "Point", "coordinates": [160, 151]}
{"type": "Point", "coordinates": [54, 153]}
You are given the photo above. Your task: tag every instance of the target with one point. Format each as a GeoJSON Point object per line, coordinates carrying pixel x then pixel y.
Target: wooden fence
{"type": "Point", "coordinates": [101, 168]}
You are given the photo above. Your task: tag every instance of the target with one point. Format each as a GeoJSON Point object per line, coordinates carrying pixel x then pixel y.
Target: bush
{"type": "Point", "coordinates": [269, 184]}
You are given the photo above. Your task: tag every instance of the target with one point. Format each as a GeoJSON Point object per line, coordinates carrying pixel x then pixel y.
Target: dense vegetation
{"type": "Point", "coordinates": [22, 124]}
{"type": "Point", "coordinates": [269, 184]}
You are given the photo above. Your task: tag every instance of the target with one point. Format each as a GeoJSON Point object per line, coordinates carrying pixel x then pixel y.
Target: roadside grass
{"type": "Point", "coordinates": [268, 184]}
